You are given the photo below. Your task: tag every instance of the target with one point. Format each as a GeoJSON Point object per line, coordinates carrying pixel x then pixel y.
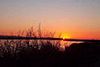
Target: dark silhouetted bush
{"type": "Point", "coordinates": [46, 54]}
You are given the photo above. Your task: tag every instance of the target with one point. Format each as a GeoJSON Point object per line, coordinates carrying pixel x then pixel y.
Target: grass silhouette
{"type": "Point", "coordinates": [47, 54]}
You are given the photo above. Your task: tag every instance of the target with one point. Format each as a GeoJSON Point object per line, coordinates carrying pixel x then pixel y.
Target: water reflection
{"type": "Point", "coordinates": [67, 44]}
{"type": "Point", "coordinates": [13, 44]}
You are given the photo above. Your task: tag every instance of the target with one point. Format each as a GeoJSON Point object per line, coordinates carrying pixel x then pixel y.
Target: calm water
{"type": "Point", "coordinates": [18, 43]}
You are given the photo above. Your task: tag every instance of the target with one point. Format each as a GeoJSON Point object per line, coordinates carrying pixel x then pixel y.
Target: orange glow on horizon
{"type": "Point", "coordinates": [64, 36]}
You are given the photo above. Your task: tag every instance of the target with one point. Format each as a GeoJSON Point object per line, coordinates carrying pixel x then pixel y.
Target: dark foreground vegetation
{"type": "Point", "coordinates": [47, 54]}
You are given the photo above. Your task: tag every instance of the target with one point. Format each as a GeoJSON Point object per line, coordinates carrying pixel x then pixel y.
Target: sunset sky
{"type": "Point", "coordinates": [77, 18]}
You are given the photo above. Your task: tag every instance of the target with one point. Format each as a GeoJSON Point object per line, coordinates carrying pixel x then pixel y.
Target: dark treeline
{"type": "Point", "coordinates": [47, 54]}
{"type": "Point", "coordinates": [45, 38]}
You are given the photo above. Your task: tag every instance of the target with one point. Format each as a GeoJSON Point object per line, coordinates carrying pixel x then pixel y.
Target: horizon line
{"type": "Point", "coordinates": [45, 38]}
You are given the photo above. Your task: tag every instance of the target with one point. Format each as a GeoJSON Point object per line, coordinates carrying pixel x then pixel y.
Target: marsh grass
{"type": "Point", "coordinates": [46, 53]}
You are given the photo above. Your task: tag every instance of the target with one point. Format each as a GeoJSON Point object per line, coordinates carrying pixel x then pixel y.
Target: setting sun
{"type": "Point", "coordinates": [64, 36]}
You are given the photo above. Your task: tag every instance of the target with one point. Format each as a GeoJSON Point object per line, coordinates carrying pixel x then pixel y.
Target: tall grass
{"type": "Point", "coordinates": [39, 53]}
{"type": "Point", "coordinates": [20, 53]}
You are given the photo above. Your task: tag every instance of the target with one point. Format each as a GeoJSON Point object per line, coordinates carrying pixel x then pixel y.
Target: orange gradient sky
{"type": "Point", "coordinates": [77, 18]}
